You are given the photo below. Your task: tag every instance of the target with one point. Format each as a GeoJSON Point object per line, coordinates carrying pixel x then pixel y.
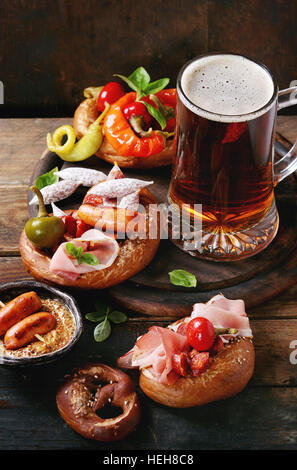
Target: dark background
{"type": "Point", "coordinates": [51, 49]}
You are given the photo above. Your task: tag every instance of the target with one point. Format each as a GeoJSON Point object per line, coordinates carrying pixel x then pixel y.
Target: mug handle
{"type": "Point", "coordinates": [288, 163]}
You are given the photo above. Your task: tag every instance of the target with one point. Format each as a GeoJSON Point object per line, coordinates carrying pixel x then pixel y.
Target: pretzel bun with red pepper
{"type": "Point", "coordinates": [206, 357]}
{"type": "Point", "coordinates": [139, 125]}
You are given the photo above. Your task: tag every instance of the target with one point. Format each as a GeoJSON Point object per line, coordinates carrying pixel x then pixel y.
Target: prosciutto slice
{"type": "Point", "coordinates": [224, 313]}
{"type": "Point", "coordinates": [93, 241]}
{"type": "Point", "coordinates": [155, 350]}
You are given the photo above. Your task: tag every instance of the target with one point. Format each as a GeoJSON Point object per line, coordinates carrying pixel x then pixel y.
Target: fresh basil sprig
{"type": "Point", "coordinates": [104, 316]}
{"type": "Point", "coordinates": [140, 81]}
{"type": "Point", "coordinates": [180, 277]}
{"type": "Point", "coordinates": [80, 256]}
{"type": "Point", "coordinates": [47, 178]}
{"type": "Point", "coordinates": [156, 113]}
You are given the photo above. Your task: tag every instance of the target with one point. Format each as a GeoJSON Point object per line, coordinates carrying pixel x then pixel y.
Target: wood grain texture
{"type": "Point", "coordinates": [116, 36]}
{"type": "Point", "coordinates": [263, 416]}
{"type": "Point", "coordinates": [22, 142]}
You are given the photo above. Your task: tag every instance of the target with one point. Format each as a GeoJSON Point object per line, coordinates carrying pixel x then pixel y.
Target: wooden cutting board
{"type": "Point", "coordinates": [255, 279]}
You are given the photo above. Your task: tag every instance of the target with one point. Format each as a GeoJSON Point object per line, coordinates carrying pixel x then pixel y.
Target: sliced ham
{"type": "Point", "coordinates": [93, 241]}
{"type": "Point", "coordinates": [155, 350]}
{"type": "Point", "coordinates": [224, 313]}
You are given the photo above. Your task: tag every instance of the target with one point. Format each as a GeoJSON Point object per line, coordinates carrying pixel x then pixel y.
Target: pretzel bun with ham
{"type": "Point", "coordinates": [205, 357]}
{"type": "Point", "coordinates": [139, 125]}
{"type": "Point", "coordinates": [103, 243]}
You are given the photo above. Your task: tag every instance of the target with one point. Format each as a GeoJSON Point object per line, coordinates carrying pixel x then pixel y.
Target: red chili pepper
{"type": "Point", "coordinates": [121, 136]}
{"type": "Point", "coordinates": [167, 97]}
{"type": "Point", "coordinates": [170, 126]}
{"type": "Point", "coordinates": [70, 225]}
{"type": "Point", "coordinates": [137, 109]}
{"type": "Point", "coordinates": [110, 93]}
{"type": "Point", "coordinates": [82, 227]}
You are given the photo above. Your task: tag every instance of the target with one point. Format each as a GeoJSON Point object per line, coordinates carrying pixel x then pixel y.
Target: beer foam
{"type": "Point", "coordinates": [228, 86]}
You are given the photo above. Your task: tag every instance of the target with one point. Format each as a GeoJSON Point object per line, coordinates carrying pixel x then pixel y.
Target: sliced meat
{"type": "Point", "coordinates": [93, 241]}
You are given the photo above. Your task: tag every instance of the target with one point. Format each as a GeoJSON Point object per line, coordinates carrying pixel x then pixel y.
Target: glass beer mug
{"type": "Point", "coordinates": [224, 159]}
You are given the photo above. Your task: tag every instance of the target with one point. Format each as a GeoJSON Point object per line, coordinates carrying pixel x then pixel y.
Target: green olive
{"type": "Point", "coordinates": [44, 231]}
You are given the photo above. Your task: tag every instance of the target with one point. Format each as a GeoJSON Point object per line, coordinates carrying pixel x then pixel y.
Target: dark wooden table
{"type": "Point", "coordinates": [263, 416]}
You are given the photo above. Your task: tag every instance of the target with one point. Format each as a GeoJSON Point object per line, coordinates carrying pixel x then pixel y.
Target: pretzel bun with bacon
{"type": "Point", "coordinates": [206, 357]}
{"type": "Point", "coordinates": [139, 125]}
{"type": "Point", "coordinates": [103, 243]}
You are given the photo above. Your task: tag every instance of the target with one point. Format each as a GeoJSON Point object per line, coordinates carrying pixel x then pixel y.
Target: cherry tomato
{"type": "Point", "coordinates": [81, 227]}
{"type": "Point", "coordinates": [111, 93]}
{"type": "Point", "coordinates": [137, 109]}
{"type": "Point", "coordinates": [200, 334]}
{"type": "Point", "coordinates": [70, 225]}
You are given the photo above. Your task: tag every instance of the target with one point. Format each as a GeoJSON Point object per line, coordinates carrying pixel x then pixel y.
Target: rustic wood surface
{"type": "Point", "coordinates": [263, 416]}
{"type": "Point", "coordinates": [59, 47]}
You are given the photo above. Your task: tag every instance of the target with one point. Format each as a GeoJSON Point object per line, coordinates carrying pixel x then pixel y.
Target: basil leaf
{"type": "Point", "coordinates": [156, 114]}
{"type": "Point", "coordinates": [90, 259]}
{"type": "Point", "coordinates": [156, 86]}
{"type": "Point", "coordinates": [71, 248]}
{"type": "Point", "coordinates": [102, 331]}
{"type": "Point", "coordinates": [101, 307]}
{"type": "Point", "coordinates": [95, 317]}
{"type": "Point", "coordinates": [47, 178]}
{"type": "Point", "coordinates": [126, 79]}
{"type": "Point", "coordinates": [117, 317]}
{"type": "Point", "coordinates": [140, 78]}
{"type": "Point", "coordinates": [179, 277]}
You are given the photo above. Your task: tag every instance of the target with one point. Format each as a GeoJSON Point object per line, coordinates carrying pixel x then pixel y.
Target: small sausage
{"type": "Point", "coordinates": [111, 219]}
{"type": "Point", "coordinates": [17, 309]}
{"type": "Point", "coordinates": [24, 331]}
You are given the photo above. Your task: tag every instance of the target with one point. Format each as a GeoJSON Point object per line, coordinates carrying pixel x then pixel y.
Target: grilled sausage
{"type": "Point", "coordinates": [17, 309]}
{"type": "Point", "coordinates": [24, 331]}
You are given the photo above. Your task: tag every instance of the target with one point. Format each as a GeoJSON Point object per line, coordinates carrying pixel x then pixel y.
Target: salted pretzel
{"type": "Point", "coordinates": [87, 390]}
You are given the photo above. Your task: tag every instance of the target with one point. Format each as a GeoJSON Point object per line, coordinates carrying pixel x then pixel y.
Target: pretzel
{"type": "Point", "coordinates": [88, 390]}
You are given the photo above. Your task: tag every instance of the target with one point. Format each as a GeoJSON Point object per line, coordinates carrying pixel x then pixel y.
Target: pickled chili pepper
{"type": "Point", "coordinates": [121, 136]}
{"type": "Point", "coordinates": [44, 231]}
{"type": "Point", "coordinates": [81, 150]}
{"type": "Point", "coordinates": [167, 97]}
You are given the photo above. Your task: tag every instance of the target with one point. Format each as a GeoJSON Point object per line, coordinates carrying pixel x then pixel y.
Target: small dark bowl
{"type": "Point", "coordinates": [11, 290]}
